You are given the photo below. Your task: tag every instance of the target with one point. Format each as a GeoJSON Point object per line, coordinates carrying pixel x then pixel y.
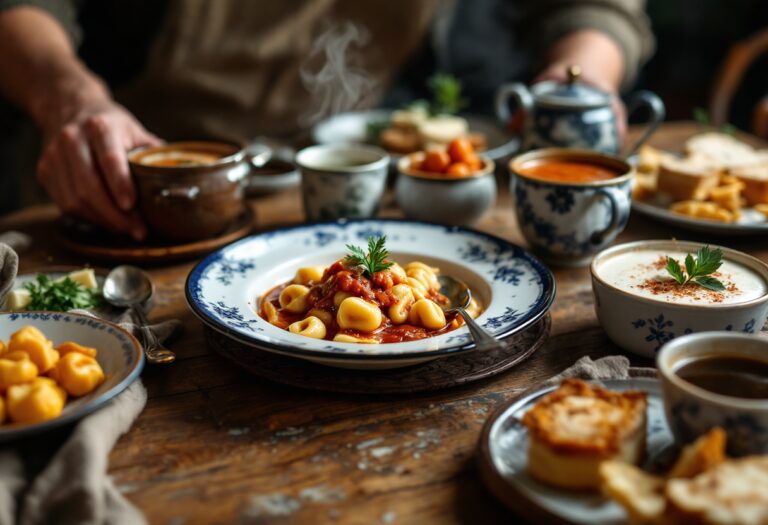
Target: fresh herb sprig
{"type": "Point", "coordinates": [60, 295]}
{"type": "Point", "coordinates": [699, 270]}
{"type": "Point", "coordinates": [446, 94]}
{"type": "Point", "coordinates": [371, 262]}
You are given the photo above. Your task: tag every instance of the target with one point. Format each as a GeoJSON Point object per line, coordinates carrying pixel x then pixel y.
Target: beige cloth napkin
{"type": "Point", "coordinates": [610, 367]}
{"type": "Point", "coordinates": [61, 476]}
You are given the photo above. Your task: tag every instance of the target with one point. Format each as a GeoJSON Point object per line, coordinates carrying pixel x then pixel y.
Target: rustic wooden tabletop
{"type": "Point", "coordinates": [216, 445]}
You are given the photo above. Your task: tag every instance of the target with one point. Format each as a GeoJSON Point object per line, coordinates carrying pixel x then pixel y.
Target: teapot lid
{"type": "Point", "coordinates": [571, 94]}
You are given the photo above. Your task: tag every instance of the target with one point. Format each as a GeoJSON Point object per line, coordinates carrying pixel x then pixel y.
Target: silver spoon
{"type": "Point", "coordinates": [130, 287]}
{"type": "Point", "coordinates": [459, 296]}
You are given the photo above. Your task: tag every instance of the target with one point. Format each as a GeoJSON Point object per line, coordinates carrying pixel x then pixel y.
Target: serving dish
{"type": "Point", "coordinates": [428, 196]}
{"type": "Point", "coordinates": [222, 290]}
{"type": "Point", "coordinates": [642, 324]}
{"type": "Point", "coordinates": [119, 355]}
{"type": "Point", "coordinates": [504, 453]}
{"type": "Point", "coordinates": [352, 127]}
{"type": "Point", "coordinates": [751, 222]}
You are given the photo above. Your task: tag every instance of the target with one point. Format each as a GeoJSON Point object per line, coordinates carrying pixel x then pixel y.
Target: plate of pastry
{"type": "Point", "coordinates": [601, 453]}
{"type": "Point", "coordinates": [719, 185]}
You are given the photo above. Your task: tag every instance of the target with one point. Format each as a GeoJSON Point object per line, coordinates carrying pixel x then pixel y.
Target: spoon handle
{"type": "Point", "coordinates": [483, 340]}
{"type": "Point", "coordinates": [153, 350]}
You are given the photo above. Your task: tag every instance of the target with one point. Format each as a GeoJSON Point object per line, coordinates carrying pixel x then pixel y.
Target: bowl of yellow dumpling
{"type": "Point", "coordinates": [57, 367]}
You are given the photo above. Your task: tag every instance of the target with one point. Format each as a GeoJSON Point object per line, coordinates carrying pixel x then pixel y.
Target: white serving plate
{"type": "Point", "coordinates": [504, 456]}
{"type": "Point", "coordinates": [351, 127]}
{"type": "Point", "coordinates": [751, 222]}
{"type": "Point", "coordinates": [119, 355]}
{"type": "Point", "coordinates": [223, 289]}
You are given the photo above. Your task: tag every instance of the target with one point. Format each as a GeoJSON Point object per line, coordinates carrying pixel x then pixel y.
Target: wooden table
{"type": "Point", "coordinates": [215, 445]}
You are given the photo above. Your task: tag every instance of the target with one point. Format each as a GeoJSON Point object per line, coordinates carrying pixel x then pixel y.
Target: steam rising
{"type": "Point", "coordinates": [333, 74]}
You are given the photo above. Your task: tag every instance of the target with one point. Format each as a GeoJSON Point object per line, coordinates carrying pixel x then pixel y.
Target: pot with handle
{"type": "Point", "coordinates": [573, 114]}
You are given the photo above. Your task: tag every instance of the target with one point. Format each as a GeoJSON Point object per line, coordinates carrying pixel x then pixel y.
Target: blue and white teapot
{"type": "Point", "coordinates": [572, 114]}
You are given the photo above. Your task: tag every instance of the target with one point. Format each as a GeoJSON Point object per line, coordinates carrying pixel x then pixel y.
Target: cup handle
{"type": "Point", "coordinates": [522, 96]}
{"type": "Point", "coordinates": [658, 112]}
{"type": "Point", "coordinates": [617, 200]}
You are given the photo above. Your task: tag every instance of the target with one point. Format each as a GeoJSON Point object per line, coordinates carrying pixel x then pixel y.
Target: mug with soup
{"type": "Point", "coordinates": [570, 203]}
{"type": "Point", "coordinates": [189, 190]}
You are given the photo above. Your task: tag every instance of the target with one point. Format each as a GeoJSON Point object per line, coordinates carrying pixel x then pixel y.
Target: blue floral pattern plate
{"type": "Point", "coordinates": [504, 457]}
{"type": "Point", "coordinates": [119, 355]}
{"type": "Point", "coordinates": [223, 290]}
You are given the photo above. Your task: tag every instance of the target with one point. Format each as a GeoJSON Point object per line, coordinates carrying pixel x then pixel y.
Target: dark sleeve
{"type": "Point", "coordinates": [624, 21]}
{"type": "Point", "coordinates": [65, 11]}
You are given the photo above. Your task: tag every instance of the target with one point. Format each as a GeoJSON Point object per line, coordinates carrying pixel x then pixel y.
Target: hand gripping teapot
{"type": "Point", "coordinates": [573, 114]}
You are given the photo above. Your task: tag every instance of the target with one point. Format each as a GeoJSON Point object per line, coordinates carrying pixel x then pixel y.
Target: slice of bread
{"type": "Point", "coordinates": [440, 130]}
{"type": "Point", "coordinates": [641, 494]}
{"type": "Point", "coordinates": [577, 427]}
{"type": "Point", "coordinates": [755, 179]}
{"type": "Point", "coordinates": [724, 150]}
{"type": "Point", "coordinates": [686, 179]}
{"type": "Point", "coordinates": [734, 492]}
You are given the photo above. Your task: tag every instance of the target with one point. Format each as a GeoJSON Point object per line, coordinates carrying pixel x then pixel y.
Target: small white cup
{"type": "Point", "coordinates": [342, 180]}
{"type": "Point", "coordinates": [691, 410]}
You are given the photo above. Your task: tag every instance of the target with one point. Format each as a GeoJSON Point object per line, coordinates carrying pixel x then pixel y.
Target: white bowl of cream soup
{"type": "Point", "coordinates": [641, 307]}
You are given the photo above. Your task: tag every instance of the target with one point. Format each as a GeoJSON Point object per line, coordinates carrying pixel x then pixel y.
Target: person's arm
{"type": "Point", "coordinates": [85, 133]}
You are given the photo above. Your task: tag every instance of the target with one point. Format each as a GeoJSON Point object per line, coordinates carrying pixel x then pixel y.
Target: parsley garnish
{"type": "Point", "coordinates": [372, 262]}
{"type": "Point", "coordinates": [699, 270]}
{"type": "Point", "coordinates": [60, 296]}
{"type": "Point", "coordinates": [446, 94]}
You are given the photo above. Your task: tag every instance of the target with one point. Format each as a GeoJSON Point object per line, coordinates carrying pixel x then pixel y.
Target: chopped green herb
{"type": "Point", "coordinates": [372, 262]}
{"type": "Point", "coordinates": [698, 270]}
{"type": "Point", "coordinates": [60, 295]}
{"type": "Point", "coordinates": [446, 94]}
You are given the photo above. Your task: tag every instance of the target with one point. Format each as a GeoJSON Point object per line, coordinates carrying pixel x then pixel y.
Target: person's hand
{"type": "Point", "coordinates": [559, 73]}
{"type": "Point", "coordinates": [84, 167]}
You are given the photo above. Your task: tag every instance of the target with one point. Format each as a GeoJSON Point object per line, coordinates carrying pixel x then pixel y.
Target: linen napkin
{"type": "Point", "coordinates": [610, 367]}
{"type": "Point", "coordinates": [61, 476]}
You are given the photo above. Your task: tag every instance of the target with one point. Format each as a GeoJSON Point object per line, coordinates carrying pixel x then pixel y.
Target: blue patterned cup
{"type": "Point", "coordinates": [691, 410]}
{"type": "Point", "coordinates": [342, 181]}
{"type": "Point", "coordinates": [568, 222]}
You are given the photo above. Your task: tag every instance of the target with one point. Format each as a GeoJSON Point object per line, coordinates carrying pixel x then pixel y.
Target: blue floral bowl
{"type": "Point", "coordinates": [691, 411]}
{"type": "Point", "coordinates": [643, 324]}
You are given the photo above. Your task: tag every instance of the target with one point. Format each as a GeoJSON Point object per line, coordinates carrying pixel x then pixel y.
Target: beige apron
{"type": "Point", "coordinates": [235, 69]}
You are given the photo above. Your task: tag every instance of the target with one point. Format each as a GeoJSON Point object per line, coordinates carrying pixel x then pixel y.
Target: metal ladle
{"type": "Point", "coordinates": [130, 287]}
{"type": "Point", "coordinates": [459, 296]}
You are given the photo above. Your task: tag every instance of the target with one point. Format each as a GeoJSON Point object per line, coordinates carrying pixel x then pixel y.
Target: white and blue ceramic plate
{"type": "Point", "coordinates": [352, 127]}
{"type": "Point", "coordinates": [504, 459]}
{"type": "Point", "coordinates": [119, 355]}
{"type": "Point", "coordinates": [751, 222]}
{"type": "Point", "coordinates": [223, 290]}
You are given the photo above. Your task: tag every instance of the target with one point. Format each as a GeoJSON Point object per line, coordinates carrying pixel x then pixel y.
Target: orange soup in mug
{"type": "Point", "coordinates": [572, 171]}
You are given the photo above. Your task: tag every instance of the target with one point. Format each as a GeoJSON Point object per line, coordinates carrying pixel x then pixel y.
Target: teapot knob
{"type": "Point", "coordinates": [573, 72]}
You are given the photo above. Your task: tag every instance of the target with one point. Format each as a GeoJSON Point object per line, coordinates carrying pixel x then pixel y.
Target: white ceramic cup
{"type": "Point", "coordinates": [568, 222]}
{"type": "Point", "coordinates": [342, 180]}
{"type": "Point", "coordinates": [691, 410]}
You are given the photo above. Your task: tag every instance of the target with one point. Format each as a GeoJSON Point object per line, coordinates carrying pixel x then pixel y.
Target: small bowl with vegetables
{"type": "Point", "coordinates": [650, 292]}
{"type": "Point", "coordinates": [59, 289]}
{"type": "Point", "coordinates": [452, 185]}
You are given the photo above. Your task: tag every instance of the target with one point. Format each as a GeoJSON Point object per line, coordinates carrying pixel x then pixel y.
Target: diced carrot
{"type": "Point", "coordinates": [436, 161]}
{"type": "Point", "coordinates": [459, 169]}
{"type": "Point", "coordinates": [474, 162]}
{"type": "Point", "coordinates": [461, 150]}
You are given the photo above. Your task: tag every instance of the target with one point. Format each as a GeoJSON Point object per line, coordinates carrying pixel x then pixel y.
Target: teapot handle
{"type": "Point", "coordinates": [658, 112]}
{"type": "Point", "coordinates": [522, 96]}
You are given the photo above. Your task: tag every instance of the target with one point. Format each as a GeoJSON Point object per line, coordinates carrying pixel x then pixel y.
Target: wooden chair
{"type": "Point", "coordinates": [741, 56]}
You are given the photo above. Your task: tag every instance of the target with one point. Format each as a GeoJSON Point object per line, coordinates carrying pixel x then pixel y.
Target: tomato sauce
{"type": "Point", "coordinates": [377, 290]}
{"type": "Point", "coordinates": [567, 171]}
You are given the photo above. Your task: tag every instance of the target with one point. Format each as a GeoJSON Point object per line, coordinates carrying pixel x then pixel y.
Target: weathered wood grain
{"type": "Point", "coordinates": [215, 445]}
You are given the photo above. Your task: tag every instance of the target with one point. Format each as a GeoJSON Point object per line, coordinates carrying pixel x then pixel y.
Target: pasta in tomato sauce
{"type": "Point", "coordinates": [343, 304]}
